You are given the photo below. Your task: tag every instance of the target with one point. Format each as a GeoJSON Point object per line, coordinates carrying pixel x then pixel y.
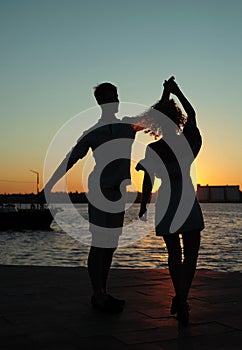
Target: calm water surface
{"type": "Point", "coordinates": [220, 245]}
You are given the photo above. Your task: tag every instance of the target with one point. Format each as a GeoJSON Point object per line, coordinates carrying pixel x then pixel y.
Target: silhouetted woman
{"type": "Point", "coordinates": [176, 155]}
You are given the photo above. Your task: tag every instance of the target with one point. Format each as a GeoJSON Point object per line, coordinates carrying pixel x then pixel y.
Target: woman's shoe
{"type": "Point", "coordinates": [174, 306]}
{"type": "Point", "coordinates": [183, 312]}
{"type": "Point", "coordinates": [107, 306]}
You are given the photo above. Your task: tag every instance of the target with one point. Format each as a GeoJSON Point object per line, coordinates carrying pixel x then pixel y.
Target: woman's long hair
{"type": "Point", "coordinates": [172, 111]}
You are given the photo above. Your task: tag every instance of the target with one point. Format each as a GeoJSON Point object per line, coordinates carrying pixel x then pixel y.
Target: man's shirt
{"type": "Point", "coordinates": [111, 145]}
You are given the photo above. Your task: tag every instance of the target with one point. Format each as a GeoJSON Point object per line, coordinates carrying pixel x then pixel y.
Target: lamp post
{"type": "Point", "coordinates": [36, 172]}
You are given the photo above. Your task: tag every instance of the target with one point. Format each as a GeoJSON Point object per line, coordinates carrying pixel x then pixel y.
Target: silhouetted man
{"type": "Point", "coordinates": [111, 140]}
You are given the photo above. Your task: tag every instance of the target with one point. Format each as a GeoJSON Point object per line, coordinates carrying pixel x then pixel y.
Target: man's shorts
{"type": "Point", "coordinates": [106, 226]}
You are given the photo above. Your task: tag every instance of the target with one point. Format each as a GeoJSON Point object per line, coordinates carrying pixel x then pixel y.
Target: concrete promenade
{"type": "Point", "coordinates": [49, 308]}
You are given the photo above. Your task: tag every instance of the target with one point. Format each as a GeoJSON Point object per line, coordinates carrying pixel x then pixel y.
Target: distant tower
{"type": "Point", "coordinates": [37, 180]}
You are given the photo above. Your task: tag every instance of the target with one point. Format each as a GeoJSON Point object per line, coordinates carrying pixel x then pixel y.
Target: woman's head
{"type": "Point", "coordinates": [172, 111]}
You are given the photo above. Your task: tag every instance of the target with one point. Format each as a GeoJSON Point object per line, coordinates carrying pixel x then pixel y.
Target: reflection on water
{"type": "Point", "coordinates": [220, 245]}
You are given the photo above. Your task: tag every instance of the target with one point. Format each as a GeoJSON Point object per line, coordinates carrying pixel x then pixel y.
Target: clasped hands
{"type": "Point", "coordinates": [171, 86]}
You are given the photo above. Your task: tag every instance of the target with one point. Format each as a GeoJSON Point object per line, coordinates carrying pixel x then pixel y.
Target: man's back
{"type": "Point", "coordinates": [111, 145]}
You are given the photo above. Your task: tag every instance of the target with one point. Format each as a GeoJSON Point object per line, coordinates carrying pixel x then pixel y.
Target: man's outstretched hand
{"type": "Point", "coordinates": [41, 197]}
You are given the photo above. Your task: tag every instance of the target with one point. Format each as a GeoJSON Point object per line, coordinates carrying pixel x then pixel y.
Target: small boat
{"type": "Point", "coordinates": [35, 218]}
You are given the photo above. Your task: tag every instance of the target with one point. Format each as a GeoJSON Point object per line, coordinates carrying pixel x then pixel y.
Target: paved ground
{"type": "Point", "coordinates": [49, 308]}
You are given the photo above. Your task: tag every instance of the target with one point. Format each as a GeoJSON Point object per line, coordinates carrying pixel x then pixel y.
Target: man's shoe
{"type": "Point", "coordinates": [114, 300]}
{"type": "Point", "coordinates": [107, 307]}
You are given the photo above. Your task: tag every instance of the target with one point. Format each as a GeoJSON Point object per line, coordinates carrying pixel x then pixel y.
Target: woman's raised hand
{"type": "Point", "coordinates": [171, 85]}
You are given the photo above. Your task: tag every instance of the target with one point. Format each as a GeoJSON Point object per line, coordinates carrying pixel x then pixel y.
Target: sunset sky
{"type": "Point", "coordinates": [53, 52]}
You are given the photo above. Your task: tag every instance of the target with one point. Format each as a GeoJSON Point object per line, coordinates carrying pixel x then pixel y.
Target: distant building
{"type": "Point", "coordinates": [218, 193]}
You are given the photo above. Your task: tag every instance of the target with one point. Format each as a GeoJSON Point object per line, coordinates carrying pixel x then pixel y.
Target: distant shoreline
{"type": "Point", "coordinates": [57, 197]}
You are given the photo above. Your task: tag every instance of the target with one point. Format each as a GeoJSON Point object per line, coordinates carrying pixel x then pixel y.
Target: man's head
{"type": "Point", "coordinates": [107, 97]}
{"type": "Point", "coordinates": [106, 93]}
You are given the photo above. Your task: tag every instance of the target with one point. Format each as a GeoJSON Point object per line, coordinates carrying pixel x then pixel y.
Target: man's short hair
{"type": "Point", "coordinates": [105, 93]}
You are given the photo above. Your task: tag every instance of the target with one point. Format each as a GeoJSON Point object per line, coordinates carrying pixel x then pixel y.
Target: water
{"type": "Point", "coordinates": [220, 245]}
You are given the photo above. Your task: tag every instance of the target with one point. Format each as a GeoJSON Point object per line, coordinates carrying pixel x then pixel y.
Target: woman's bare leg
{"type": "Point", "coordinates": [174, 259]}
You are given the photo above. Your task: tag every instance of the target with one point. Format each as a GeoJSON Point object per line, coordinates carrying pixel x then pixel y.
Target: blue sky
{"type": "Point", "coordinates": [54, 52]}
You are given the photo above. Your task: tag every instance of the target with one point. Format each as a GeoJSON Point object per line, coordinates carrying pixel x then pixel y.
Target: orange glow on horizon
{"type": "Point", "coordinates": [26, 183]}
{"type": "Point", "coordinates": [205, 172]}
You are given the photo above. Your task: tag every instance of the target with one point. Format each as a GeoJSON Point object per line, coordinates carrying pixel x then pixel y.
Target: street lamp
{"type": "Point", "coordinates": [36, 172]}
